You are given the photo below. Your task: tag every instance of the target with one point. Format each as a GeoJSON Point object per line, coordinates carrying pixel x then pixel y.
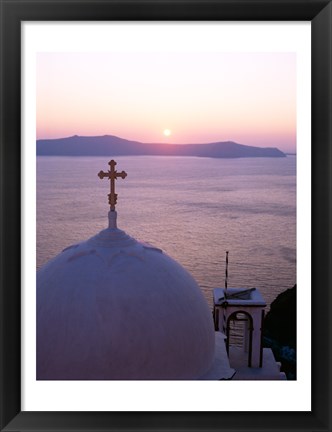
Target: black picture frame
{"type": "Point", "coordinates": [13, 12]}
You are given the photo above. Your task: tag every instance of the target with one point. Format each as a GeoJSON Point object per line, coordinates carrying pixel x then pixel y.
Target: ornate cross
{"type": "Point", "coordinates": [112, 175]}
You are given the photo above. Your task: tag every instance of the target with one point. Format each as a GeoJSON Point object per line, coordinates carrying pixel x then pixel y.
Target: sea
{"type": "Point", "coordinates": [195, 209]}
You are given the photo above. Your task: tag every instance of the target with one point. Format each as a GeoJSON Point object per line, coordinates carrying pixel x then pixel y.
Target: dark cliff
{"type": "Point", "coordinates": [280, 331]}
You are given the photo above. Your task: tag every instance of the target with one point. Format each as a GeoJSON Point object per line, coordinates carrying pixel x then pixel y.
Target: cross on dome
{"type": "Point", "coordinates": [112, 175]}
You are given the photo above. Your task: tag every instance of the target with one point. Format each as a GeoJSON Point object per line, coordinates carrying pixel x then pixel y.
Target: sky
{"type": "Point", "coordinates": [170, 97]}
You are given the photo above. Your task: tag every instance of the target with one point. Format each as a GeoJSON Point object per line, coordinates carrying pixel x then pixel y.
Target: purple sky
{"type": "Point", "coordinates": [248, 98]}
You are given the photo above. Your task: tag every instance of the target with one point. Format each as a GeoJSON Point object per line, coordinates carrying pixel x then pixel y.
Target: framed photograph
{"type": "Point", "coordinates": [263, 74]}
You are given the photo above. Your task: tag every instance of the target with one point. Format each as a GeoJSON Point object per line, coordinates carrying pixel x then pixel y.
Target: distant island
{"type": "Point", "coordinates": [109, 145]}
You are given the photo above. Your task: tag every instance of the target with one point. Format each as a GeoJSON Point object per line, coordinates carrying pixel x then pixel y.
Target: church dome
{"type": "Point", "coordinates": [112, 307]}
{"type": "Point", "coordinates": [115, 308]}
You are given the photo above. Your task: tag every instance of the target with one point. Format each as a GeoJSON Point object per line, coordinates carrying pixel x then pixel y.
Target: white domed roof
{"type": "Point", "coordinates": [115, 308]}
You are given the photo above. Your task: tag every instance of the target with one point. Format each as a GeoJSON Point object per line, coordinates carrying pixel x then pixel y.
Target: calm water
{"type": "Point", "coordinates": [193, 208]}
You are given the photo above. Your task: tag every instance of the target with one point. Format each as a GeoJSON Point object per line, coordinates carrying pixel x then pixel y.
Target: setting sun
{"type": "Point", "coordinates": [167, 132]}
